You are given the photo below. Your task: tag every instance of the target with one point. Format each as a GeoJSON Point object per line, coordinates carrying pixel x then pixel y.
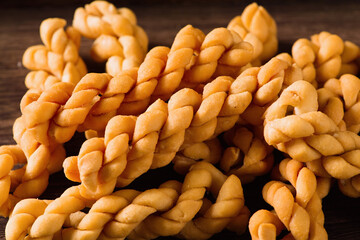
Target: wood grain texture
{"type": "Point", "coordinates": [161, 19]}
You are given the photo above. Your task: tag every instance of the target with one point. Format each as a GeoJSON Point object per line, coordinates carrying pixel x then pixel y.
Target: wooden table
{"type": "Point", "coordinates": [19, 23]}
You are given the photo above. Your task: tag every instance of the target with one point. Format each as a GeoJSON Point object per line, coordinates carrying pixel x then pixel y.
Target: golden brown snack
{"type": "Point", "coordinates": [256, 26]}
{"type": "Point", "coordinates": [34, 217]}
{"type": "Point", "coordinates": [40, 135]}
{"type": "Point", "coordinates": [9, 157]}
{"type": "Point", "coordinates": [304, 53]}
{"type": "Point", "coordinates": [118, 38]}
{"type": "Point", "coordinates": [162, 71]}
{"type": "Point", "coordinates": [208, 151]}
{"type": "Point", "coordinates": [30, 134]}
{"type": "Point", "coordinates": [228, 205]}
{"type": "Point", "coordinates": [343, 165]}
{"type": "Point", "coordinates": [222, 53]}
{"type": "Point", "coordinates": [102, 17]}
{"type": "Point", "coordinates": [265, 225]}
{"type": "Point", "coordinates": [297, 219]}
{"type": "Point", "coordinates": [247, 157]}
{"type": "Point", "coordinates": [104, 162]}
{"type": "Point", "coordinates": [157, 140]}
{"type": "Point", "coordinates": [223, 100]}
{"type": "Point", "coordinates": [325, 56]}
{"type": "Point", "coordinates": [40, 80]}
{"type": "Point", "coordinates": [350, 187]}
{"type": "Point", "coordinates": [168, 67]}
{"type": "Point", "coordinates": [118, 214]}
{"type": "Point", "coordinates": [308, 193]}
{"type": "Point", "coordinates": [119, 53]}
{"type": "Point", "coordinates": [332, 106]}
{"type": "Point", "coordinates": [315, 134]}
{"type": "Point", "coordinates": [59, 55]}
{"type": "Point", "coordinates": [347, 88]}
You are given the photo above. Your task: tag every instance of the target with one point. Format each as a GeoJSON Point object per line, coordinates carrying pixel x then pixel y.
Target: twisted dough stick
{"type": "Point", "coordinates": [59, 56]}
{"type": "Point", "coordinates": [223, 101]}
{"type": "Point", "coordinates": [208, 151]}
{"type": "Point", "coordinates": [308, 195]}
{"type": "Point", "coordinates": [37, 148]}
{"type": "Point", "coordinates": [120, 53]}
{"type": "Point", "coordinates": [167, 72]}
{"type": "Point", "coordinates": [347, 87]}
{"type": "Point", "coordinates": [272, 78]}
{"type": "Point", "coordinates": [350, 187]}
{"type": "Point", "coordinates": [158, 77]}
{"type": "Point", "coordinates": [119, 40]}
{"type": "Point", "coordinates": [296, 219]}
{"type": "Point", "coordinates": [325, 56]}
{"type": "Point", "coordinates": [9, 156]}
{"type": "Point", "coordinates": [313, 135]}
{"type": "Point", "coordinates": [202, 176]}
{"type": "Point", "coordinates": [304, 53]}
{"type": "Point", "coordinates": [118, 214]}
{"type": "Point", "coordinates": [40, 80]}
{"type": "Point", "coordinates": [34, 217]}
{"type": "Point", "coordinates": [343, 165]}
{"type": "Point", "coordinates": [334, 57]}
{"type": "Point", "coordinates": [40, 135]}
{"type": "Point", "coordinates": [164, 136]}
{"type": "Point", "coordinates": [162, 70]}
{"type": "Point", "coordinates": [264, 225]}
{"type": "Point", "coordinates": [101, 161]}
{"type": "Point", "coordinates": [256, 26]}
{"type": "Point", "coordinates": [332, 106]}
{"type": "Point", "coordinates": [248, 155]}
{"type": "Point", "coordinates": [222, 52]}
{"type": "Point", "coordinates": [102, 17]}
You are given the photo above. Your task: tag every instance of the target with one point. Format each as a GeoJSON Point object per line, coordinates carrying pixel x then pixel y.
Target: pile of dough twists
{"type": "Point", "coordinates": [215, 107]}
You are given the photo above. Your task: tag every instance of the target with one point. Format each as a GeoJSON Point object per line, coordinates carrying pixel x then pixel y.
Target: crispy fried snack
{"type": "Point", "coordinates": [208, 151]}
{"type": "Point", "coordinates": [247, 156]}
{"type": "Point", "coordinates": [347, 88]}
{"type": "Point", "coordinates": [304, 133]}
{"type": "Point", "coordinates": [57, 60]}
{"type": "Point", "coordinates": [265, 225]}
{"type": "Point", "coordinates": [350, 187]}
{"type": "Point", "coordinates": [296, 218]}
{"type": "Point", "coordinates": [158, 134]}
{"type": "Point", "coordinates": [118, 38]}
{"type": "Point", "coordinates": [129, 213]}
{"type": "Point", "coordinates": [325, 56]}
{"type": "Point", "coordinates": [256, 26]}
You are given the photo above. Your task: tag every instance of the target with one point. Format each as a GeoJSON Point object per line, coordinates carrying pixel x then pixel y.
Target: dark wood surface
{"type": "Point", "coordinates": [19, 29]}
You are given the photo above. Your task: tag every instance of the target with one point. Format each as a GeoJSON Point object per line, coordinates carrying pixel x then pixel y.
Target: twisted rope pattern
{"type": "Point", "coordinates": [325, 56]}
{"type": "Point", "coordinates": [208, 151]}
{"type": "Point", "coordinates": [58, 56]}
{"type": "Point", "coordinates": [347, 88]}
{"type": "Point", "coordinates": [264, 225]}
{"type": "Point", "coordinates": [118, 38]}
{"type": "Point", "coordinates": [294, 217]}
{"type": "Point", "coordinates": [256, 26]}
{"type": "Point", "coordinates": [131, 213]}
{"type": "Point", "coordinates": [9, 157]}
{"type": "Point", "coordinates": [222, 53]}
{"type": "Point", "coordinates": [157, 139]}
{"type": "Point", "coordinates": [248, 157]}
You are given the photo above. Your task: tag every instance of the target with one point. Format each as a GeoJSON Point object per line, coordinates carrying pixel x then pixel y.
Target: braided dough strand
{"type": "Point", "coordinates": [59, 55]}
{"type": "Point", "coordinates": [248, 157]}
{"type": "Point", "coordinates": [9, 157]}
{"type": "Point", "coordinates": [295, 218]}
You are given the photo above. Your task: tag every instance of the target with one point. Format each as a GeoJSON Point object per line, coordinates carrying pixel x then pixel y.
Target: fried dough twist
{"type": "Point", "coordinates": [59, 56]}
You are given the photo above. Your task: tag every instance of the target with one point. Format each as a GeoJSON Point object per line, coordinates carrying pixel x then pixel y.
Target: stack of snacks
{"type": "Point", "coordinates": [214, 106]}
